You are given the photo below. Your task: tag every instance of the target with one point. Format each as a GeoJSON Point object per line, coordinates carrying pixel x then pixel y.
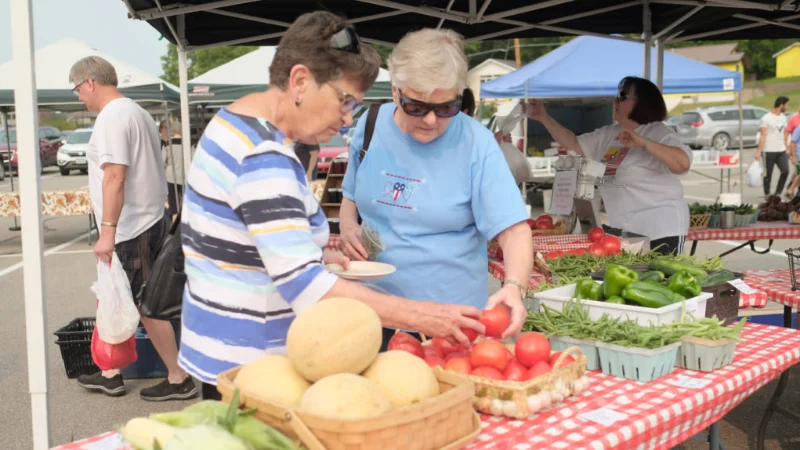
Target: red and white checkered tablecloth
{"type": "Point", "coordinates": [776, 283]}
{"type": "Point", "coordinates": [657, 415]}
{"type": "Point", "coordinates": [754, 232]}
{"type": "Point", "coordinates": [333, 242]}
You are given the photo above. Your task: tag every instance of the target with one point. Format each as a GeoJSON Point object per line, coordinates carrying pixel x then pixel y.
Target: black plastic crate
{"type": "Point", "coordinates": [75, 342]}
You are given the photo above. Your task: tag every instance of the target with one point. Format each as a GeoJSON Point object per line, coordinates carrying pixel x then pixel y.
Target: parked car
{"type": "Point", "coordinates": [328, 151]}
{"type": "Point", "coordinates": [673, 122]}
{"type": "Point", "coordinates": [718, 127]}
{"type": "Point", "coordinates": [50, 140]}
{"type": "Point", "coordinates": [72, 155]}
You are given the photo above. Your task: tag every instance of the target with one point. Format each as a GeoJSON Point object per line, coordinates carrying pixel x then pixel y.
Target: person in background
{"type": "Point", "coordinates": [791, 126]}
{"type": "Point", "coordinates": [794, 151]}
{"type": "Point", "coordinates": [436, 187]}
{"type": "Point", "coordinates": [773, 145]}
{"type": "Point", "coordinates": [307, 154]}
{"type": "Point", "coordinates": [645, 157]}
{"type": "Point", "coordinates": [253, 233]}
{"type": "Point", "coordinates": [128, 191]}
{"type": "Point", "coordinates": [174, 168]}
{"type": "Point", "coordinates": [468, 102]}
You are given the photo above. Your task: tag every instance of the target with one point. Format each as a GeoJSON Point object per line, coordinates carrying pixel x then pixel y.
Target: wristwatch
{"type": "Point", "coordinates": [523, 290]}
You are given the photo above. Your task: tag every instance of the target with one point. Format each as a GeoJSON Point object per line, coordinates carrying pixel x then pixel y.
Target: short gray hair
{"type": "Point", "coordinates": [429, 59]}
{"type": "Point", "coordinates": [95, 68]}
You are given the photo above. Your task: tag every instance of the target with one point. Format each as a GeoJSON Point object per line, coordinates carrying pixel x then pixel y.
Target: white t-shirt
{"type": "Point", "coordinates": [775, 124]}
{"type": "Point", "coordinates": [124, 133]}
{"type": "Point", "coordinates": [644, 196]}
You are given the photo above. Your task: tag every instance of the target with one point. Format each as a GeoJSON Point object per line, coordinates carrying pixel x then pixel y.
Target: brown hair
{"type": "Point", "coordinates": [307, 42]}
{"type": "Point", "coordinates": [650, 105]}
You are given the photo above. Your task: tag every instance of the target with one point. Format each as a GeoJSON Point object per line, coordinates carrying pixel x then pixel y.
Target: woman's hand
{"type": "Point", "coordinates": [335, 257]}
{"type": "Point", "coordinates": [445, 321]}
{"type": "Point", "coordinates": [535, 110]}
{"type": "Point", "coordinates": [501, 137]}
{"type": "Point", "coordinates": [350, 243]}
{"type": "Point", "coordinates": [629, 139]}
{"type": "Point", "coordinates": [510, 296]}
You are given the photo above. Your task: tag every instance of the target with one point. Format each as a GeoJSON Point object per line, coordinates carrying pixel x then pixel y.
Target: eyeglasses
{"type": "Point", "coordinates": [348, 102]}
{"type": "Point", "coordinates": [347, 40]}
{"type": "Point", "coordinates": [417, 108]}
{"type": "Point", "coordinates": [78, 86]}
{"type": "Point", "coordinates": [622, 96]}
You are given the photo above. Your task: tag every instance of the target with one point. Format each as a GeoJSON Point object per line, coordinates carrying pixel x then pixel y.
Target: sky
{"type": "Point", "coordinates": [101, 24]}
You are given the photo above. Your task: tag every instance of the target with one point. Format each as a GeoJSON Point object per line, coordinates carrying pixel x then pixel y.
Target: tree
{"type": "Point", "coordinates": [200, 61]}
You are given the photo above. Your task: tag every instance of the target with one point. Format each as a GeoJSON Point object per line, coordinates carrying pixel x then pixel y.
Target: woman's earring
{"type": "Point", "coordinates": [297, 102]}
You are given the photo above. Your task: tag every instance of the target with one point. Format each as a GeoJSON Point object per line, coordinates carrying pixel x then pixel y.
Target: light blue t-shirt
{"type": "Point", "coordinates": [435, 206]}
{"type": "Point", "coordinates": [796, 140]}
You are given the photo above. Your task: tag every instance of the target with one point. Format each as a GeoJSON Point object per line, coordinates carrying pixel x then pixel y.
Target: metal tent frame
{"type": "Point", "coordinates": [197, 24]}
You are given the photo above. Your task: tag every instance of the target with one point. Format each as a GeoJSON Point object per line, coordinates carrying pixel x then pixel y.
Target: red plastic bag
{"type": "Point", "coordinates": [113, 356]}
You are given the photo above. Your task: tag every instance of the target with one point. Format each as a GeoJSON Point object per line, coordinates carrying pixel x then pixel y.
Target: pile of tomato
{"type": "Point", "coordinates": [602, 245]}
{"type": "Point", "coordinates": [488, 358]}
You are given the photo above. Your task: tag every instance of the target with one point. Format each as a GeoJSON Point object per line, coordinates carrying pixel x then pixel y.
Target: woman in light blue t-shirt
{"type": "Point", "coordinates": [436, 187]}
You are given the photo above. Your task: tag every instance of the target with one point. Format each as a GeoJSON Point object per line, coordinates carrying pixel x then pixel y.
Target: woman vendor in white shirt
{"type": "Point", "coordinates": [646, 158]}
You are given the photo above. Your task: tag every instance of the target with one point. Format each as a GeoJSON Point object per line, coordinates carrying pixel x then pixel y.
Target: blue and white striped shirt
{"type": "Point", "coordinates": [253, 235]}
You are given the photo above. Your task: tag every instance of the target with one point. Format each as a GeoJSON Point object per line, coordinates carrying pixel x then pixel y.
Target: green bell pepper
{"type": "Point", "coordinates": [650, 295]}
{"type": "Point", "coordinates": [653, 275]}
{"type": "Point", "coordinates": [672, 267]}
{"type": "Point", "coordinates": [589, 290]}
{"type": "Point", "coordinates": [616, 299]}
{"type": "Point", "coordinates": [685, 284]}
{"type": "Point", "coordinates": [616, 278]}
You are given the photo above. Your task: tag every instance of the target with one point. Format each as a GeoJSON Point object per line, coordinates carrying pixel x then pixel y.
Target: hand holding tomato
{"type": "Point", "coordinates": [446, 321]}
{"type": "Point", "coordinates": [510, 296]}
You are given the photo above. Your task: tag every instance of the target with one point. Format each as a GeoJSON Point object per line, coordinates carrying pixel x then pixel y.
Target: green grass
{"type": "Point", "coordinates": [768, 101]}
{"type": "Point", "coordinates": [757, 83]}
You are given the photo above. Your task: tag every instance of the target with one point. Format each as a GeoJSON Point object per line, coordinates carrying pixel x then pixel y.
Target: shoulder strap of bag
{"type": "Point", "coordinates": [372, 117]}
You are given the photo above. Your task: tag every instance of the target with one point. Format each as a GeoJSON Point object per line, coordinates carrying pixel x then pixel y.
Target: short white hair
{"type": "Point", "coordinates": [95, 68]}
{"type": "Point", "coordinates": [429, 59]}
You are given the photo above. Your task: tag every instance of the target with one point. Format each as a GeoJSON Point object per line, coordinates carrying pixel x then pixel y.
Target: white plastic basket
{"type": "Point", "coordinates": [558, 297]}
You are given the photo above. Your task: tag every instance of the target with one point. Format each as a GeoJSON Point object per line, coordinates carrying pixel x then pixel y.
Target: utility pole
{"type": "Point", "coordinates": [516, 53]}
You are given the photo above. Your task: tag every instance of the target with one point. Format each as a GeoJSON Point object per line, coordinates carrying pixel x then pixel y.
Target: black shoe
{"type": "Point", "coordinates": [113, 386]}
{"type": "Point", "coordinates": [168, 391]}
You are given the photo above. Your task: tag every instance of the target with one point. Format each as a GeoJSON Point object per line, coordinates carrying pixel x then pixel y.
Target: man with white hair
{"type": "Point", "coordinates": [128, 191]}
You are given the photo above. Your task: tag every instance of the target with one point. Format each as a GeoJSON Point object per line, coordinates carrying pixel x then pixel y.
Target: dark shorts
{"type": "Point", "coordinates": [172, 199]}
{"type": "Point", "coordinates": [138, 254]}
{"type": "Point", "coordinates": [672, 245]}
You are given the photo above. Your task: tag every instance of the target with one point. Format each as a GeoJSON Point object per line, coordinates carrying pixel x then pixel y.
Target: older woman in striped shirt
{"type": "Point", "coordinates": [253, 234]}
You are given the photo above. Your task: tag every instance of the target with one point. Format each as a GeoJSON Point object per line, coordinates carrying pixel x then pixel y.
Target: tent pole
{"type": "Point", "coordinates": [741, 144]}
{"type": "Point", "coordinates": [647, 37]}
{"type": "Point", "coordinates": [525, 145]}
{"type": "Point", "coordinates": [186, 133]}
{"type": "Point", "coordinates": [660, 64]}
{"type": "Point", "coordinates": [31, 208]}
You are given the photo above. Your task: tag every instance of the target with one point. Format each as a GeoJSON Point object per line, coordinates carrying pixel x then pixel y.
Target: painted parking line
{"type": "Point", "coordinates": [52, 251]}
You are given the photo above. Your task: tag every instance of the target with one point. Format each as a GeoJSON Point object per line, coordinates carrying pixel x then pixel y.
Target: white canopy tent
{"type": "Point", "coordinates": [263, 26]}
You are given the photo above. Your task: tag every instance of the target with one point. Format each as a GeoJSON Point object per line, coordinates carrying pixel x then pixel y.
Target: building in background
{"type": "Point", "coordinates": [488, 70]}
{"type": "Point", "coordinates": [787, 61]}
{"type": "Point", "coordinates": [724, 56]}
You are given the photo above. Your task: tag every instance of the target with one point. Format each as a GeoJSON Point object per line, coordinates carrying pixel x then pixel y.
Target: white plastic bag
{"type": "Point", "coordinates": [754, 176]}
{"type": "Point", "coordinates": [117, 315]}
{"type": "Point", "coordinates": [517, 163]}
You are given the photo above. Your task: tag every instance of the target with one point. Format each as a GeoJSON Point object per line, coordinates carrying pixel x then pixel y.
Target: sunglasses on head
{"type": "Point", "coordinates": [346, 40]}
{"type": "Point", "coordinates": [417, 108]}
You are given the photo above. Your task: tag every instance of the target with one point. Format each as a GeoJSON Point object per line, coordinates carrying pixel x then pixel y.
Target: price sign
{"type": "Point", "coordinates": [565, 185]}
{"type": "Point", "coordinates": [689, 382]}
{"type": "Point", "coordinates": [604, 416]}
{"type": "Point", "coordinates": [743, 287]}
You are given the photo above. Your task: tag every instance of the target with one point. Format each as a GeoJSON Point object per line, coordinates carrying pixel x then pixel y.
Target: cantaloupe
{"type": "Point", "coordinates": [337, 335]}
{"type": "Point", "coordinates": [404, 378]}
{"type": "Point", "coordinates": [272, 377]}
{"type": "Point", "coordinates": [345, 396]}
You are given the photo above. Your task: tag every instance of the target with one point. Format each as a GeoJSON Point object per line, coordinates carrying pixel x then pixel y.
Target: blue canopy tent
{"type": "Point", "coordinates": [590, 66]}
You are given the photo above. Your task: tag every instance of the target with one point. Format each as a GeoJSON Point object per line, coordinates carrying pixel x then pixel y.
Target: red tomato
{"type": "Point", "coordinates": [545, 218]}
{"type": "Point", "coordinates": [544, 224]}
{"type": "Point", "coordinates": [540, 368]}
{"type": "Point", "coordinates": [564, 362]}
{"type": "Point", "coordinates": [488, 372]}
{"type": "Point", "coordinates": [489, 353]}
{"type": "Point", "coordinates": [515, 372]}
{"type": "Point", "coordinates": [550, 256]}
{"type": "Point", "coordinates": [407, 343]}
{"type": "Point", "coordinates": [459, 364]}
{"type": "Point", "coordinates": [459, 354]}
{"type": "Point", "coordinates": [495, 320]}
{"type": "Point", "coordinates": [532, 348]}
{"type": "Point", "coordinates": [597, 250]}
{"type": "Point", "coordinates": [531, 223]}
{"type": "Point", "coordinates": [499, 254]}
{"type": "Point", "coordinates": [444, 346]}
{"type": "Point", "coordinates": [430, 350]}
{"type": "Point", "coordinates": [596, 234]}
{"type": "Point", "coordinates": [576, 252]}
{"type": "Point", "coordinates": [471, 334]}
{"type": "Point", "coordinates": [510, 355]}
{"type": "Point", "coordinates": [434, 361]}
{"type": "Point", "coordinates": [611, 244]}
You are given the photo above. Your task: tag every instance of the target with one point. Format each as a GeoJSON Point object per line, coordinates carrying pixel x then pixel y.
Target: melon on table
{"type": "Point", "coordinates": [345, 396]}
{"type": "Point", "coordinates": [404, 378]}
{"type": "Point", "coordinates": [272, 377]}
{"type": "Point", "coordinates": [337, 335]}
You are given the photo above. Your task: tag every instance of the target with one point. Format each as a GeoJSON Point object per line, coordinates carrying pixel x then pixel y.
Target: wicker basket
{"type": "Point", "coordinates": [511, 398]}
{"type": "Point", "coordinates": [446, 421]}
{"type": "Point", "coordinates": [559, 228]}
{"type": "Point", "coordinates": [699, 221]}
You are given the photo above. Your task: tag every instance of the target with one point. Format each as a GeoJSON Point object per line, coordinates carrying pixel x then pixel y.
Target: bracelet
{"type": "Point", "coordinates": [108, 224]}
{"type": "Point", "coordinates": [523, 290]}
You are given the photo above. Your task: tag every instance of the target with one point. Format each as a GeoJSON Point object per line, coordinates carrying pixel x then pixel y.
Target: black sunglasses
{"type": "Point", "coordinates": [622, 96]}
{"type": "Point", "coordinates": [417, 108]}
{"type": "Point", "coordinates": [347, 40]}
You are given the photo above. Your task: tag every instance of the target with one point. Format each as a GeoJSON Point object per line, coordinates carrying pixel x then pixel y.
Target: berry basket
{"type": "Point", "coordinates": [705, 355]}
{"type": "Point", "coordinates": [638, 364]}
{"type": "Point", "coordinates": [588, 348]}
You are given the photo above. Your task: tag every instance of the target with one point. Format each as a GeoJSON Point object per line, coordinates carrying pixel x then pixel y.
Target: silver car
{"type": "Point", "coordinates": [718, 127]}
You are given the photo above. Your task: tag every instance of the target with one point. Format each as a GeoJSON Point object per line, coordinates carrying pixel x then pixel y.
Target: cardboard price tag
{"type": "Point", "coordinates": [604, 416]}
{"type": "Point", "coordinates": [565, 184]}
{"type": "Point", "coordinates": [689, 382]}
{"type": "Point", "coordinates": [743, 287]}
